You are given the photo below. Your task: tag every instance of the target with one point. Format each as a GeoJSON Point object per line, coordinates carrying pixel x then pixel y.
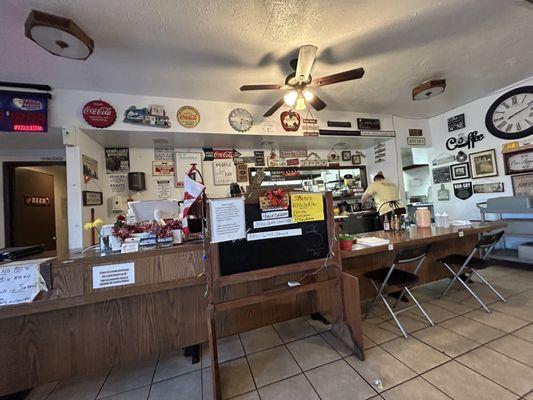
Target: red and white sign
{"type": "Point", "coordinates": [290, 120]}
{"type": "Point", "coordinates": [223, 154]}
{"type": "Point", "coordinates": [99, 114]}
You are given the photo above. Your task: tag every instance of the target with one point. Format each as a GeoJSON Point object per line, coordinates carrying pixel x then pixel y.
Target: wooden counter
{"type": "Point", "coordinates": [460, 240]}
{"type": "Point", "coordinates": [74, 329]}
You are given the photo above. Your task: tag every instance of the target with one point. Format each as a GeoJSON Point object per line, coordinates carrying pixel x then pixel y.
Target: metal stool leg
{"type": "Point", "coordinates": [419, 306]}
{"type": "Point", "coordinates": [375, 299]}
{"type": "Point", "coordinates": [455, 277]}
{"type": "Point", "coordinates": [404, 333]}
{"type": "Point", "coordinates": [474, 295]}
{"type": "Point", "coordinates": [489, 285]}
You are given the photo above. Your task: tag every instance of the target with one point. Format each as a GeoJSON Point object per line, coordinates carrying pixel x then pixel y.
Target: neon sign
{"type": "Point", "coordinates": [23, 112]}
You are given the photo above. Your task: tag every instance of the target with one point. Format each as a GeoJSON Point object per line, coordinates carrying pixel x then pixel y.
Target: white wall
{"type": "Point", "coordinates": [20, 155]}
{"type": "Point", "coordinates": [475, 112]}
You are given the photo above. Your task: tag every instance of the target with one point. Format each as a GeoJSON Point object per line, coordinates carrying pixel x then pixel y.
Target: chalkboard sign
{"type": "Point", "coordinates": [250, 255]}
{"type": "Point", "coordinates": [456, 122]}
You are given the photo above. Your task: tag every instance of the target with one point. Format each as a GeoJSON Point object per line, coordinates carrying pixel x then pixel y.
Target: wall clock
{"type": "Point", "coordinates": [240, 119]}
{"type": "Point", "coordinates": [511, 115]}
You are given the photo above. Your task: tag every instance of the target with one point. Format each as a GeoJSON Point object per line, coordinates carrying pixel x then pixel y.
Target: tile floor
{"type": "Point", "coordinates": [469, 355]}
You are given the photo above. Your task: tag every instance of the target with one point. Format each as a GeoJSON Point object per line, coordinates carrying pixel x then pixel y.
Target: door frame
{"type": "Point", "coordinates": [9, 188]}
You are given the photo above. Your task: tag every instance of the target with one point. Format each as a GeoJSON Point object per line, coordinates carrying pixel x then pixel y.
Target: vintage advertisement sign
{"type": "Point", "coordinates": [462, 190]}
{"type": "Point", "coordinates": [117, 160]}
{"type": "Point", "coordinates": [456, 122]}
{"type": "Point", "coordinates": [522, 184]}
{"type": "Point", "coordinates": [242, 172]}
{"type": "Point", "coordinates": [493, 187]}
{"type": "Point", "coordinates": [162, 168]}
{"type": "Point", "coordinates": [90, 167]}
{"type": "Point", "coordinates": [188, 117]}
{"type": "Point", "coordinates": [99, 114]}
{"type": "Point", "coordinates": [223, 172]}
{"type": "Point", "coordinates": [117, 182]}
{"type": "Point", "coordinates": [224, 154]}
{"type": "Point", "coordinates": [518, 162]}
{"type": "Point", "coordinates": [259, 158]}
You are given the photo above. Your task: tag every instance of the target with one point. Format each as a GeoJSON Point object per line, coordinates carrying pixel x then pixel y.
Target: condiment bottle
{"type": "Point", "coordinates": [386, 224]}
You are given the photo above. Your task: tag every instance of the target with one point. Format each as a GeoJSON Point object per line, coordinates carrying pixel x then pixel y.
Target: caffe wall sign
{"type": "Point", "coordinates": [464, 140]}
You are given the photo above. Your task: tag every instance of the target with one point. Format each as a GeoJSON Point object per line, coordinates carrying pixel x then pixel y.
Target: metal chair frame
{"type": "Point", "coordinates": [484, 251]}
{"type": "Point", "coordinates": [380, 290]}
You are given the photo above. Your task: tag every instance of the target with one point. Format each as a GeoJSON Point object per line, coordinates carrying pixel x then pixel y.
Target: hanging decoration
{"type": "Point", "coordinates": [310, 124]}
{"type": "Point", "coordinates": [290, 120]}
{"type": "Point", "coordinates": [274, 199]}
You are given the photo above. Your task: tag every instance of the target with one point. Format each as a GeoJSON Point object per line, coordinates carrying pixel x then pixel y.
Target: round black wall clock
{"type": "Point", "coordinates": [511, 115]}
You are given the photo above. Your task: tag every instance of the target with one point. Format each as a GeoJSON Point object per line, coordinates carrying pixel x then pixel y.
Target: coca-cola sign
{"type": "Point", "coordinates": [99, 114]}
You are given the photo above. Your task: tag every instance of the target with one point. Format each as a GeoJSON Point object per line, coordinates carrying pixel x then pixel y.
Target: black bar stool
{"type": "Point", "coordinates": [470, 265]}
{"type": "Point", "coordinates": [396, 277]}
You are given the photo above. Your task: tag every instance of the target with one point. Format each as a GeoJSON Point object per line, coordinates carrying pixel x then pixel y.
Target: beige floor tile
{"type": "Point", "coordinates": [248, 396]}
{"type": "Point", "coordinates": [172, 364]}
{"type": "Point", "coordinates": [498, 320]}
{"type": "Point", "coordinates": [228, 348]}
{"type": "Point", "coordinates": [409, 324]}
{"type": "Point", "coordinates": [183, 387]}
{"type": "Point", "coordinates": [337, 344]}
{"type": "Point", "coordinates": [312, 352]}
{"type": "Point", "coordinates": [514, 347]}
{"type": "Point", "coordinates": [450, 343]}
{"type": "Point", "coordinates": [339, 381]}
{"type": "Point", "coordinates": [522, 299]}
{"type": "Point", "coordinates": [415, 389]}
{"type": "Point", "coordinates": [129, 376]}
{"type": "Point", "coordinates": [376, 334]}
{"type": "Point", "coordinates": [272, 365]}
{"type": "Point", "coordinates": [319, 325]}
{"type": "Point", "coordinates": [473, 330]}
{"type": "Point", "coordinates": [501, 369]}
{"type": "Point", "coordinates": [452, 306]}
{"type": "Point", "coordinates": [135, 394]}
{"type": "Point", "coordinates": [295, 388]}
{"type": "Point", "coordinates": [294, 329]}
{"type": "Point", "coordinates": [415, 354]}
{"type": "Point", "coordinates": [235, 379]}
{"type": "Point", "coordinates": [380, 364]}
{"type": "Point", "coordinates": [436, 314]}
{"type": "Point", "coordinates": [495, 272]}
{"type": "Point", "coordinates": [516, 283]}
{"type": "Point", "coordinates": [367, 343]}
{"type": "Point", "coordinates": [260, 339]}
{"type": "Point", "coordinates": [529, 396]}
{"type": "Point", "coordinates": [81, 388]}
{"type": "Point", "coordinates": [461, 383]}
{"type": "Point", "coordinates": [519, 311]}
{"type": "Point", "coordinates": [525, 333]}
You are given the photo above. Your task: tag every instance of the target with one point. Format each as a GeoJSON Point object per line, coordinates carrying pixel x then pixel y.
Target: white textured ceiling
{"type": "Point", "coordinates": [205, 49]}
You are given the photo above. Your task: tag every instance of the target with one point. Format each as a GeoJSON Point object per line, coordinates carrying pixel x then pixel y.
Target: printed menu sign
{"type": "Point", "coordinates": [307, 207]}
{"type": "Point", "coordinates": [228, 221]}
{"type": "Point", "coordinates": [105, 276]}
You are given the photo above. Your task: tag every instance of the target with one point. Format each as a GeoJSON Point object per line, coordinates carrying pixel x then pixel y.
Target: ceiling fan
{"type": "Point", "coordinates": [299, 82]}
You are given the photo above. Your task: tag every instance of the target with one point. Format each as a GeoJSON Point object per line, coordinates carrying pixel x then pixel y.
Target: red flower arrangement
{"type": "Point", "coordinates": [277, 198]}
{"type": "Point", "coordinates": [122, 230]}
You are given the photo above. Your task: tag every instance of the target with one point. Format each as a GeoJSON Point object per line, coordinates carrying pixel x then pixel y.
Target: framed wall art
{"type": "Point", "coordinates": [518, 162]}
{"type": "Point", "coordinates": [441, 175]}
{"type": "Point", "coordinates": [522, 184]}
{"type": "Point", "coordinates": [346, 155]}
{"type": "Point", "coordinates": [492, 187]}
{"type": "Point", "coordinates": [460, 171]}
{"type": "Point", "coordinates": [92, 198]}
{"type": "Point", "coordinates": [483, 164]}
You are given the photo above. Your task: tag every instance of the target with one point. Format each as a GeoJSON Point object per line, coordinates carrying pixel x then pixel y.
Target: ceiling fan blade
{"type": "Point", "coordinates": [306, 59]}
{"type": "Point", "coordinates": [274, 108]}
{"type": "Point", "coordinates": [265, 87]}
{"type": "Point", "coordinates": [317, 103]}
{"type": "Point", "coordinates": [340, 77]}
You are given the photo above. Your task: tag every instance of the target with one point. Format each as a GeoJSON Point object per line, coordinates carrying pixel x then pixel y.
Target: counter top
{"type": "Point", "coordinates": [357, 213]}
{"type": "Point", "coordinates": [419, 236]}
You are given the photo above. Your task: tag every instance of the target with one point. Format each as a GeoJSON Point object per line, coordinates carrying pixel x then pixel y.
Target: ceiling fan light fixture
{"type": "Point", "coordinates": [290, 98]}
{"type": "Point", "coordinates": [308, 95]}
{"type": "Point", "coordinates": [300, 102]}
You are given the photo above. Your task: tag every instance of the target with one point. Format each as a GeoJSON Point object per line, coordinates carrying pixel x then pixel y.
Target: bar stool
{"type": "Point", "coordinates": [396, 277]}
{"type": "Point", "coordinates": [470, 265]}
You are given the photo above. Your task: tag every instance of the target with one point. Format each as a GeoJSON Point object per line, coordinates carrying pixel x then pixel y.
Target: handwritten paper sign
{"type": "Point", "coordinates": [20, 283]}
{"type": "Point", "coordinates": [110, 275]}
{"type": "Point", "coordinates": [307, 207]}
{"type": "Point", "coordinates": [228, 221]}
{"type": "Point", "coordinates": [274, 234]}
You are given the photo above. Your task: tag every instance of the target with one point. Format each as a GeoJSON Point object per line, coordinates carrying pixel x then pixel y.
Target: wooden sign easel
{"type": "Point", "coordinates": [346, 311]}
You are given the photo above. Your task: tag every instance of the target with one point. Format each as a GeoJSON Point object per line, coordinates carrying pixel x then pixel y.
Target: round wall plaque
{"type": "Point", "coordinates": [188, 116]}
{"type": "Point", "coordinates": [99, 114]}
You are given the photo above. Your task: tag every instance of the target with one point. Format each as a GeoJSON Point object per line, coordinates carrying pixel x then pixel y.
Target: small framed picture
{"type": "Point", "coordinates": [522, 184]}
{"type": "Point", "coordinates": [92, 198]}
{"type": "Point", "coordinates": [356, 159]}
{"type": "Point", "coordinates": [483, 164]}
{"type": "Point", "coordinates": [346, 155]}
{"type": "Point", "coordinates": [460, 171]}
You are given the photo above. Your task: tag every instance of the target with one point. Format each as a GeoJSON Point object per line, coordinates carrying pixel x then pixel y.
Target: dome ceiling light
{"type": "Point", "coordinates": [58, 35]}
{"type": "Point", "coordinates": [429, 89]}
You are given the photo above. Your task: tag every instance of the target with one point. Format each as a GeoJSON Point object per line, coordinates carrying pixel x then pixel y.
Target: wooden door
{"type": "Point", "coordinates": [33, 209]}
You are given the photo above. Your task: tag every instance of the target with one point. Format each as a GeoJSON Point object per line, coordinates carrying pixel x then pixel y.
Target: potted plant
{"type": "Point", "coordinates": [346, 241]}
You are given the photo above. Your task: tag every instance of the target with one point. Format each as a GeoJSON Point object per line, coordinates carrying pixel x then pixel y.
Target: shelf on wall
{"type": "Point", "coordinates": [508, 255]}
{"type": "Point", "coordinates": [192, 139]}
